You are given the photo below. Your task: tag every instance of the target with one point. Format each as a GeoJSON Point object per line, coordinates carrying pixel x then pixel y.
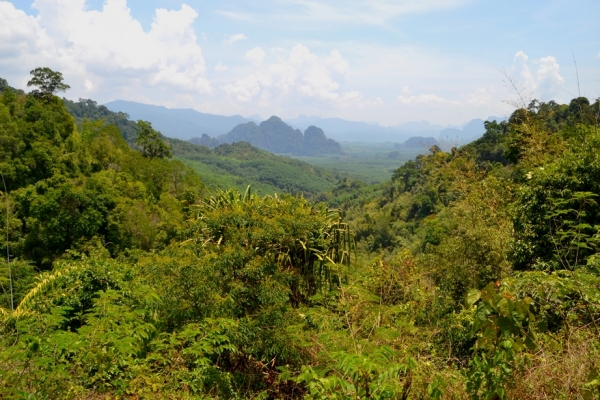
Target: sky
{"type": "Point", "coordinates": [384, 61]}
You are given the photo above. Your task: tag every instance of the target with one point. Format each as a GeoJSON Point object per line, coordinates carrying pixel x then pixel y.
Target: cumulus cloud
{"type": "Point", "coordinates": [220, 67]}
{"type": "Point", "coordinates": [543, 82]}
{"type": "Point", "coordinates": [299, 74]}
{"type": "Point", "coordinates": [89, 85]}
{"type": "Point", "coordinates": [548, 76]}
{"type": "Point", "coordinates": [255, 56]}
{"type": "Point", "coordinates": [336, 63]}
{"type": "Point", "coordinates": [478, 99]}
{"type": "Point", "coordinates": [21, 39]}
{"type": "Point", "coordinates": [426, 99]}
{"type": "Point", "coordinates": [244, 89]}
{"type": "Point", "coordinates": [106, 45]}
{"type": "Point", "coordinates": [377, 102]}
{"type": "Point", "coordinates": [521, 67]}
{"type": "Point", "coordinates": [229, 40]}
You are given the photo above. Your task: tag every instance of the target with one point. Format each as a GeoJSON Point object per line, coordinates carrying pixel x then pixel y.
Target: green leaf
{"type": "Point", "coordinates": [504, 307]}
{"type": "Point", "coordinates": [472, 297]}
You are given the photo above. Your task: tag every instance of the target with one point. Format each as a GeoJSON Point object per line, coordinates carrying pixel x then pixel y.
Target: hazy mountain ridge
{"type": "Point", "coordinates": [344, 130]}
{"type": "Point", "coordinates": [187, 124]}
{"type": "Point", "coordinates": [276, 136]}
{"type": "Point", "coordinates": [177, 123]}
{"type": "Point", "coordinates": [417, 142]}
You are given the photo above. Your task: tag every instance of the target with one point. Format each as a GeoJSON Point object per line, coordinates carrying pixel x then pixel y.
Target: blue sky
{"type": "Point", "coordinates": [446, 61]}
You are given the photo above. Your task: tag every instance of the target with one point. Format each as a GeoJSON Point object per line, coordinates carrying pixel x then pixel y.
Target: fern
{"type": "Point", "coordinates": [46, 282]}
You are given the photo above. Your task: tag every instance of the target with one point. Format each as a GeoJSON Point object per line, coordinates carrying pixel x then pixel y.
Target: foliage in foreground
{"type": "Point", "coordinates": [471, 274]}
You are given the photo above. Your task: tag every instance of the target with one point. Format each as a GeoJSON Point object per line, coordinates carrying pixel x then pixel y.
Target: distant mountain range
{"type": "Point", "coordinates": [417, 142]}
{"type": "Point", "coordinates": [186, 124]}
{"type": "Point", "coordinates": [276, 136]}
{"type": "Point", "coordinates": [340, 129]}
{"type": "Point", "coordinates": [474, 129]}
{"type": "Point", "coordinates": [181, 124]}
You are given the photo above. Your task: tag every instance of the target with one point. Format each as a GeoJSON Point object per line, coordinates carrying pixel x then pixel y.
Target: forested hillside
{"type": "Point", "coordinates": [472, 273]}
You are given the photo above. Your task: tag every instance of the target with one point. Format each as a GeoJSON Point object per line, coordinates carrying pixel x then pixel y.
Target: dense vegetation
{"type": "Point", "coordinates": [470, 274]}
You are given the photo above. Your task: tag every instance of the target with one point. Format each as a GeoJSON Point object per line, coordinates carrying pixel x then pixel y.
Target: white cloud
{"type": "Point", "coordinates": [422, 99]}
{"type": "Point", "coordinates": [244, 90]}
{"type": "Point", "coordinates": [106, 47]}
{"type": "Point", "coordinates": [220, 67]}
{"type": "Point", "coordinates": [377, 102]}
{"type": "Point", "coordinates": [521, 67]}
{"type": "Point", "coordinates": [548, 76]}
{"type": "Point", "coordinates": [336, 63]}
{"type": "Point", "coordinates": [544, 83]}
{"type": "Point", "coordinates": [22, 40]}
{"type": "Point", "coordinates": [481, 97]}
{"type": "Point", "coordinates": [301, 75]}
{"type": "Point", "coordinates": [255, 56]}
{"type": "Point", "coordinates": [89, 85]}
{"type": "Point", "coordinates": [234, 38]}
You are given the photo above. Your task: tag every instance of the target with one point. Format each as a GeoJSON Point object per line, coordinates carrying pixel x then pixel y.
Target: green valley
{"type": "Point", "coordinates": [369, 162]}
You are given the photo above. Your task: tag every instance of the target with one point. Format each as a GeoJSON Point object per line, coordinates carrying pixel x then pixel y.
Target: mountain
{"type": "Point", "coordinates": [340, 129]}
{"type": "Point", "coordinates": [315, 142]}
{"type": "Point", "coordinates": [276, 136]}
{"type": "Point", "coordinates": [417, 142]}
{"type": "Point", "coordinates": [182, 124]}
{"type": "Point", "coordinates": [416, 126]}
{"type": "Point", "coordinates": [205, 140]}
{"type": "Point", "coordinates": [472, 130]}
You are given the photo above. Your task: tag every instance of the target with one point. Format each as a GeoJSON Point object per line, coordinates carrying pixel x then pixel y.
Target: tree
{"type": "Point", "coordinates": [48, 82]}
{"type": "Point", "coordinates": [150, 142]}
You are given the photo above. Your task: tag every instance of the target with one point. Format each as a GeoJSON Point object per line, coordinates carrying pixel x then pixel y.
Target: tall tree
{"type": "Point", "coordinates": [150, 142]}
{"type": "Point", "coordinates": [48, 83]}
